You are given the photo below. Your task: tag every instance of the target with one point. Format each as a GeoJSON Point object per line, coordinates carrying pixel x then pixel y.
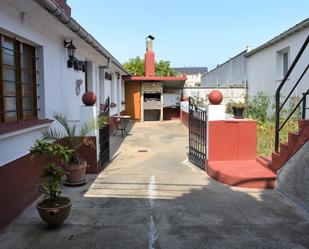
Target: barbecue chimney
{"type": "Point", "coordinates": [149, 57]}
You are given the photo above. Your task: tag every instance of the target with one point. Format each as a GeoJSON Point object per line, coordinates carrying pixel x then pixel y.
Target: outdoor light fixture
{"type": "Point", "coordinates": [74, 62]}
{"type": "Point", "coordinates": [118, 75]}
{"type": "Point", "coordinates": [71, 52]}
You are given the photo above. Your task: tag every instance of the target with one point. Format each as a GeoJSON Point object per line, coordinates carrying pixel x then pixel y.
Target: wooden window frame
{"type": "Point", "coordinates": [19, 74]}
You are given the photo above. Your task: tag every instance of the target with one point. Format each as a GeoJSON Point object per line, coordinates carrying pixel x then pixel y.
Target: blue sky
{"type": "Point", "coordinates": [187, 32]}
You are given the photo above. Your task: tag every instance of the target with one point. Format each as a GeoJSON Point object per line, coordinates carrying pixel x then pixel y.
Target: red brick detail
{"type": "Point", "coordinates": [149, 64]}
{"type": "Point", "coordinates": [18, 184]}
{"type": "Point", "coordinates": [63, 4]}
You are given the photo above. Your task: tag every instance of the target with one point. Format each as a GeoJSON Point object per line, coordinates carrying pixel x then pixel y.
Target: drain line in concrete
{"type": "Point", "coordinates": [153, 232]}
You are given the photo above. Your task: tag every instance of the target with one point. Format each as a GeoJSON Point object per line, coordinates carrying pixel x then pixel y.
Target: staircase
{"type": "Point", "coordinates": [284, 151]}
{"type": "Point", "coordinates": [295, 141]}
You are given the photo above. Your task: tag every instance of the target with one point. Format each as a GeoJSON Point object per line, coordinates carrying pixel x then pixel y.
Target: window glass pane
{"type": "Point", "coordinates": [26, 57]}
{"type": "Point", "coordinates": [27, 89]}
{"type": "Point", "coordinates": [26, 77]}
{"type": "Point", "coordinates": [9, 74]}
{"type": "Point", "coordinates": [9, 88]}
{"type": "Point", "coordinates": [10, 103]}
{"type": "Point", "coordinates": [285, 57]}
{"type": "Point", "coordinates": [28, 114]}
{"type": "Point", "coordinates": [27, 103]}
{"type": "Point", "coordinates": [8, 57]}
{"type": "Point", "coordinates": [10, 116]}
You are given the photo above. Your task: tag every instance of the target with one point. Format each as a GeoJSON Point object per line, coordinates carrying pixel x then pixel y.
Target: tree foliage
{"type": "Point", "coordinates": [136, 66]}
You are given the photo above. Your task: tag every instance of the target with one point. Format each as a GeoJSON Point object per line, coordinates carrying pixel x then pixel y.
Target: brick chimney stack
{"type": "Point", "coordinates": [149, 57]}
{"type": "Point", "coordinates": [63, 4]}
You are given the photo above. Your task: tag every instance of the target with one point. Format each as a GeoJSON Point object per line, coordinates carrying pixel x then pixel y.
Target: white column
{"type": "Point", "coordinates": [89, 114]}
{"type": "Point", "coordinates": [216, 112]}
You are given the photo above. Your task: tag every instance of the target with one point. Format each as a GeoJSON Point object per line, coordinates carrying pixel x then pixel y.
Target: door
{"type": "Point", "coordinates": [133, 99]}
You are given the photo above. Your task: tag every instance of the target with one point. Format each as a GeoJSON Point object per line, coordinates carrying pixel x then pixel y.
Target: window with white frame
{"type": "Point", "coordinates": [283, 60]}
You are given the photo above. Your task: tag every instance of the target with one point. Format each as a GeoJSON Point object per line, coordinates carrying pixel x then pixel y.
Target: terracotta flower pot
{"type": "Point", "coordinates": [54, 216]}
{"type": "Point", "coordinates": [76, 173]}
{"type": "Point", "coordinates": [215, 97]}
{"type": "Point", "coordinates": [89, 98]}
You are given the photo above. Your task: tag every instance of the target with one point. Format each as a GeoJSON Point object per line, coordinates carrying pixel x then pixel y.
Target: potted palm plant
{"type": "Point", "coordinates": [68, 137]}
{"type": "Point", "coordinates": [54, 208]}
{"type": "Point", "coordinates": [238, 109]}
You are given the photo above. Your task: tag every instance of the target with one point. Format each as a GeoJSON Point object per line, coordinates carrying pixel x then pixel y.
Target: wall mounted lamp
{"type": "Point", "coordinates": [72, 61]}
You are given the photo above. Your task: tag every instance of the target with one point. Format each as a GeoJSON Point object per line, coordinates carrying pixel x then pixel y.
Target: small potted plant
{"type": "Point", "coordinates": [54, 208]}
{"type": "Point", "coordinates": [76, 166]}
{"type": "Point", "coordinates": [238, 109]}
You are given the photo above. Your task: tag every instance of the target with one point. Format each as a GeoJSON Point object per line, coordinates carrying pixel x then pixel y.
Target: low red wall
{"type": "Point", "coordinates": [89, 154]}
{"type": "Point", "coordinates": [231, 140]}
{"type": "Point", "coordinates": [171, 113]}
{"type": "Point", "coordinates": [18, 184]}
{"type": "Point", "coordinates": [184, 117]}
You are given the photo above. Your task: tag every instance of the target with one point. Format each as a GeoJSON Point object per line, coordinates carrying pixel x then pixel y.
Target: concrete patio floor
{"type": "Point", "coordinates": [155, 199]}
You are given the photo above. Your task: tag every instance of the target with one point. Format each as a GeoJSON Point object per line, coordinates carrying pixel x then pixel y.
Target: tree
{"type": "Point", "coordinates": [136, 66]}
{"type": "Point", "coordinates": [163, 68]}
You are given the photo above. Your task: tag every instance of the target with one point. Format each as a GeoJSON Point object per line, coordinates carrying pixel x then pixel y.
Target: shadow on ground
{"type": "Point", "coordinates": [157, 200]}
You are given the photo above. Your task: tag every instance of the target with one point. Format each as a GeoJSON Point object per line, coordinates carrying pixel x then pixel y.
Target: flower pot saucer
{"type": "Point", "coordinates": [75, 184]}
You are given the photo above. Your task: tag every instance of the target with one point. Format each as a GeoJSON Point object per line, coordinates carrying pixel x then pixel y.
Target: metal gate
{"type": "Point", "coordinates": [104, 137]}
{"type": "Point", "coordinates": [197, 135]}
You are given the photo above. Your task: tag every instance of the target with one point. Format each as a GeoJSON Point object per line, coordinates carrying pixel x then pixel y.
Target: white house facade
{"type": "Point", "coordinates": [230, 73]}
{"type": "Point", "coordinates": [268, 63]}
{"type": "Point", "coordinates": [193, 74]}
{"type": "Point", "coordinates": [36, 81]}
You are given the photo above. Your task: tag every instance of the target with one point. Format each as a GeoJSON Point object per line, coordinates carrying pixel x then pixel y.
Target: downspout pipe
{"type": "Point", "coordinates": [54, 9]}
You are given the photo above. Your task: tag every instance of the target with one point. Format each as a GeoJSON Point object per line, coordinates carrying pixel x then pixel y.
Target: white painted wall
{"type": "Point", "coordinates": [264, 74]}
{"type": "Point", "coordinates": [193, 79]}
{"type": "Point", "coordinates": [57, 82]}
{"type": "Point", "coordinates": [234, 94]}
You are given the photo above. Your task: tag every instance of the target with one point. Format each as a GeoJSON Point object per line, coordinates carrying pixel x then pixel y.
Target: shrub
{"type": "Point", "coordinates": [257, 106]}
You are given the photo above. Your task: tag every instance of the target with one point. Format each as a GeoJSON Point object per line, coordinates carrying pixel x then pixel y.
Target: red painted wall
{"type": "Point", "coordinates": [231, 140]}
{"type": "Point", "coordinates": [90, 155]}
{"type": "Point", "coordinates": [18, 184]}
{"type": "Point", "coordinates": [184, 117]}
{"type": "Point", "coordinates": [171, 113]}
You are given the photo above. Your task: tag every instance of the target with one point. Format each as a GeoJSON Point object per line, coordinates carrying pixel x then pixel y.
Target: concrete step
{"type": "Point", "coordinates": [245, 174]}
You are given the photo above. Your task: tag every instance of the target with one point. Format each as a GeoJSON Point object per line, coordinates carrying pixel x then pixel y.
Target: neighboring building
{"type": "Point", "coordinates": [268, 63]}
{"type": "Point", "coordinates": [150, 97]}
{"type": "Point", "coordinates": [37, 78]}
{"type": "Point", "coordinates": [193, 74]}
{"type": "Point", "coordinates": [263, 68]}
{"type": "Point", "coordinates": [230, 73]}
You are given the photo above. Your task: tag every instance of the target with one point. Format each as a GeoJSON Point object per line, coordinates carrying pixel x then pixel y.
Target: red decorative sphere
{"type": "Point", "coordinates": [89, 98]}
{"type": "Point", "coordinates": [215, 97]}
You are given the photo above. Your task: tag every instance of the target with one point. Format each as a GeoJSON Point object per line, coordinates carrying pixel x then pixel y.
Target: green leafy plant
{"type": "Point", "coordinates": [52, 173]}
{"type": "Point", "coordinates": [239, 105]}
{"type": "Point", "coordinates": [257, 106]}
{"type": "Point", "coordinates": [69, 138]}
